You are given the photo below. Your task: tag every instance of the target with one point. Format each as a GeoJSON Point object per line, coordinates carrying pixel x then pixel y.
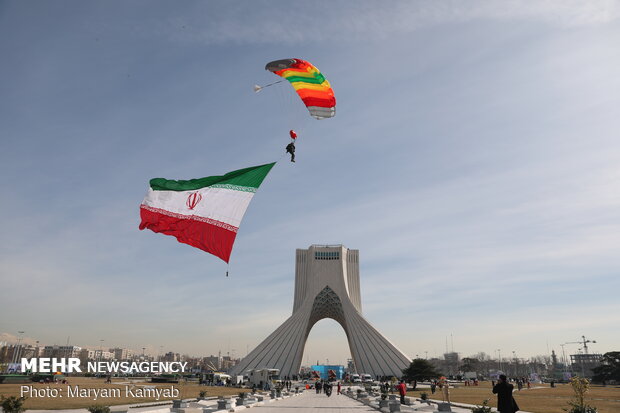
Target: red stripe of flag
{"type": "Point", "coordinates": [208, 237]}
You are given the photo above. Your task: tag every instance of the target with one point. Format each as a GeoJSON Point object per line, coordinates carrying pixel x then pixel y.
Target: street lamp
{"type": "Point", "coordinates": [514, 356]}
{"type": "Point", "coordinates": [101, 349]}
{"type": "Point", "coordinates": [564, 358]}
{"type": "Point", "coordinates": [499, 360]}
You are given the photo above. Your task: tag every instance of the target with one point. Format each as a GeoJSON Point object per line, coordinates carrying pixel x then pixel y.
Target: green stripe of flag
{"type": "Point", "coordinates": [250, 177]}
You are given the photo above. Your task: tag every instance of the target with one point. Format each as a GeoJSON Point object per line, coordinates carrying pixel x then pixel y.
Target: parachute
{"type": "Point", "coordinates": [206, 212]}
{"type": "Point", "coordinates": [311, 86]}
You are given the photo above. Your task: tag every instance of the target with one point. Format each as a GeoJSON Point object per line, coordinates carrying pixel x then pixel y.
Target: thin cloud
{"type": "Point", "coordinates": [293, 23]}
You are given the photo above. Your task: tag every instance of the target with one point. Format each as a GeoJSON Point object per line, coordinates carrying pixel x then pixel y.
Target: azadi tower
{"type": "Point", "coordinates": [327, 285]}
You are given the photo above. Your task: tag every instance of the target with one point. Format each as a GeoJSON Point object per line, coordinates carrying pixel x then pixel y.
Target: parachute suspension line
{"type": "Point", "coordinates": [293, 112]}
{"type": "Point", "coordinates": [258, 88]}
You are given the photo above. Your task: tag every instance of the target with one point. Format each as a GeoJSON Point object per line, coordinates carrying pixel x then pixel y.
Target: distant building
{"type": "Point", "coordinates": [584, 363]}
{"type": "Point", "coordinates": [213, 362]}
{"type": "Point", "coordinates": [86, 355]}
{"type": "Point", "coordinates": [170, 356]}
{"type": "Point", "coordinates": [451, 360]}
{"type": "Point", "coordinates": [103, 355]}
{"type": "Point", "coordinates": [7, 352]}
{"type": "Point", "coordinates": [14, 352]}
{"type": "Point", "coordinates": [62, 351]}
{"type": "Point", "coordinates": [228, 363]}
{"type": "Point", "coordinates": [28, 352]}
{"type": "Point", "coordinates": [350, 366]}
{"type": "Point", "coordinates": [122, 353]}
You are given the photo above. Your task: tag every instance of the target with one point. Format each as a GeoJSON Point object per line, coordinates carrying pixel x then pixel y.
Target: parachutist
{"type": "Point", "coordinates": [290, 148]}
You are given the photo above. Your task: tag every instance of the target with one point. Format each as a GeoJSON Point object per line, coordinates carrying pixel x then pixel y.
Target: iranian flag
{"type": "Point", "coordinates": [204, 213]}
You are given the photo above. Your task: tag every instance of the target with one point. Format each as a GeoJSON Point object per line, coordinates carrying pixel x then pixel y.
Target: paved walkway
{"type": "Point", "coordinates": [309, 402]}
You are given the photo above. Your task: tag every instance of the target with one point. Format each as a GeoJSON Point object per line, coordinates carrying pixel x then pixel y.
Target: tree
{"type": "Point", "coordinates": [12, 404]}
{"type": "Point", "coordinates": [470, 364]}
{"type": "Point", "coordinates": [98, 409]}
{"type": "Point", "coordinates": [578, 405]}
{"type": "Point", "coordinates": [420, 369]}
{"type": "Point", "coordinates": [609, 370]}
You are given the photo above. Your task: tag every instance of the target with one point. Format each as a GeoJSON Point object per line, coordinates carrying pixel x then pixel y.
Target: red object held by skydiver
{"type": "Point", "coordinates": [293, 134]}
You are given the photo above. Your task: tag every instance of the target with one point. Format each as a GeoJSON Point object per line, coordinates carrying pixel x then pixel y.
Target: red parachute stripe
{"type": "Point", "coordinates": [324, 103]}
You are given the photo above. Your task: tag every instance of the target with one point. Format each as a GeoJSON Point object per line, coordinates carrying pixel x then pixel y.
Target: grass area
{"type": "Point", "coordinates": [538, 399]}
{"type": "Point", "coordinates": [541, 398]}
{"type": "Point", "coordinates": [186, 390]}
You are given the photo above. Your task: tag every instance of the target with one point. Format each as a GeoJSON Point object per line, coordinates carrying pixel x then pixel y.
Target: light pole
{"type": "Point", "coordinates": [101, 349]}
{"type": "Point", "coordinates": [514, 357]}
{"type": "Point", "coordinates": [564, 358]}
{"type": "Point", "coordinates": [499, 360]}
{"type": "Point", "coordinates": [426, 355]}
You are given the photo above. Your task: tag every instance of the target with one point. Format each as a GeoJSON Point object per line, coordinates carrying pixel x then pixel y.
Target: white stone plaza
{"type": "Point", "coordinates": [302, 402]}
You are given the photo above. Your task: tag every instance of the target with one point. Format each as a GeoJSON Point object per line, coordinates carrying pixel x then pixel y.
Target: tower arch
{"type": "Point", "coordinates": [327, 285]}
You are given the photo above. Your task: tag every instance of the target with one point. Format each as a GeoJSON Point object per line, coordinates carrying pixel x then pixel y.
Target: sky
{"type": "Point", "coordinates": [473, 162]}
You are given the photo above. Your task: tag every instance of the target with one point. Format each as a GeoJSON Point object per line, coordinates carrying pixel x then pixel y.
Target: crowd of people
{"type": "Point", "coordinates": [502, 387]}
{"type": "Point", "coordinates": [326, 387]}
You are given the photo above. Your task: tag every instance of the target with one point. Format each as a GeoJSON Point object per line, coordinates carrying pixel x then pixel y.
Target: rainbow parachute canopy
{"type": "Point", "coordinates": [311, 86]}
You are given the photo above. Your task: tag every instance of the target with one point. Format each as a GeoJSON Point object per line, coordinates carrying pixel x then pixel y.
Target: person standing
{"type": "Point", "coordinates": [339, 387]}
{"type": "Point", "coordinates": [402, 390]}
{"type": "Point", "coordinates": [505, 401]}
{"type": "Point", "coordinates": [445, 390]}
{"type": "Point", "coordinates": [328, 388]}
